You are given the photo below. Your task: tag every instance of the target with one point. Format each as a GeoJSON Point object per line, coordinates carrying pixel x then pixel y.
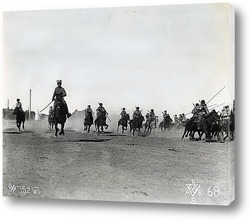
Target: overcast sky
{"type": "Point", "coordinates": [160, 57]}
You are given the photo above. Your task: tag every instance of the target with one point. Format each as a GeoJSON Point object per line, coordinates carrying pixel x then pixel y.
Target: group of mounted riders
{"type": "Point", "coordinates": [202, 121]}
{"type": "Point", "coordinates": [212, 124]}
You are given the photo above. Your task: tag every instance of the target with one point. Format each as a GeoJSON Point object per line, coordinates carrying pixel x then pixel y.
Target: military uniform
{"type": "Point", "coordinates": [88, 111]}
{"type": "Point", "coordinates": [100, 110]}
{"type": "Point", "coordinates": [137, 113]}
{"type": "Point", "coordinates": [165, 115]}
{"type": "Point", "coordinates": [123, 113]}
{"type": "Point", "coordinates": [202, 112]}
{"type": "Point", "coordinates": [58, 95]}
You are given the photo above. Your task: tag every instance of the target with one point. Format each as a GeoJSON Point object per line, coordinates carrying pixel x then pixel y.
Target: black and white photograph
{"type": "Point", "coordinates": [126, 104]}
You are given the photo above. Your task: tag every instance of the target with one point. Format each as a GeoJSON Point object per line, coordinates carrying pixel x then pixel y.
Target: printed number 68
{"type": "Point", "coordinates": [215, 192]}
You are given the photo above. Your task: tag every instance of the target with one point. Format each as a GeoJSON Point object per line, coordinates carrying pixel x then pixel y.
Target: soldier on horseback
{"type": "Point", "coordinates": [225, 114]}
{"type": "Point", "coordinates": [123, 113]}
{"type": "Point", "coordinates": [18, 106]}
{"type": "Point", "coordinates": [152, 117]}
{"type": "Point", "coordinates": [88, 120]}
{"type": "Point", "coordinates": [202, 112]}
{"type": "Point", "coordinates": [137, 113]}
{"type": "Point", "coordinates": [165, 115]}
{"type": "Point", "coordinates": [101, 110]}
{"type": "Point", "coordinates": [88, 111]}
{"type": "Point", "coordinates": [59, 95]}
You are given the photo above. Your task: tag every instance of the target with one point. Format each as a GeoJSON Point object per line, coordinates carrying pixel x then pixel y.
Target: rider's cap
{"type": "Point", "coordinates": [18, 99]}
{"type": "Point", "coordinates": [197, 104]}
{"type": "Point", "coordinates": [137, 108]}
{"type": "Point", "coordinates": [165, 111]}
{"type": "Point", "coordinates": [203, 102]}
{"type": "Point", "coordinates": [152, 110]}
{"type": "Point", "coordinates": [59, 81]}
{"type": "Point", "coordinates": [100, 103]}
{"type": "Point", "coordinates": [88, 105]}
{"type": "Point", "coordinates": [123, 108]}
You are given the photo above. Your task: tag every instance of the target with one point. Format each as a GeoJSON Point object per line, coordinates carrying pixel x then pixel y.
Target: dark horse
{"type": "Point", "coordinates": [88, 121]}
{"type": "Point", "coordinates": [166, 124]}
{"type": "Point", "coordinates": [59, 116]}
{"type": "Point", "coordinates": [100, 121]}
{"type": "Point", "coordinates": [20, 117]}
{"type": "Point", "coordinates": [123, 122]}
{"type": "Point", "coordinates": [206, 126]}
{"type": "Point", "coordinates": [136, 124]}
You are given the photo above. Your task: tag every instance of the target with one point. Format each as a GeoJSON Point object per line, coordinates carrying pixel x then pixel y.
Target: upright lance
{"type": "Point", "coordinates": [216, 94]}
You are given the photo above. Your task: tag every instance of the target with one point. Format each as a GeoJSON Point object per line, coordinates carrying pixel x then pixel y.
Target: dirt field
{"type": "Point", "coordinates": [115, 167]}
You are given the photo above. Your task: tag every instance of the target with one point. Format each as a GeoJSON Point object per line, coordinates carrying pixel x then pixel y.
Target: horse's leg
{"type": "Point", "coordinates": [62, 129]}
{"type": "Point", "coordinates": [56, 129]}
{"type": "Point", "coordinates": [184, 133]}
{"type": "Point", "coordinates": [23, 125]}
{"type": "Point", "coordinates": [89, 128]}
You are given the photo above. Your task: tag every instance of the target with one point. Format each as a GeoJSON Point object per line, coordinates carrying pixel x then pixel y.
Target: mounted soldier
{"type": "Point", "coordinates": [152, 115]}
{"type": "Point", "coordinates": [225, 114]}
{"type": "Point", "coordinates": [18, 106]}
{"type": "Point", "coordinates": [195, 111]}
{"type": "Point", "coordinates": [202, 112]}
{"type": "Point", "coordinates": [101, 110]}
{"type": "Point", "coordinates": [137, 113]}
{"type": "Point", "coordinates": [88, 120]}
{"type": "Point", "coordinates": [59, 95]}
{"type": "Point", "coordinates": [101, 116]}
{"type": "Point", "coordinates": [165, 115]}
{"type": "Point", "coordinates": [123, 113]}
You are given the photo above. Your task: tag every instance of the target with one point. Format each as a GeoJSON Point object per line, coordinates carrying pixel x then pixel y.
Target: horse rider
{"type": "Point", "coordinates": [184, 119]}
{"type": "Point", "coordinates": [88, 113]}
{"type": "Point", "coordinates": [225, 114]}
{"type": "Point", "coordinates": [59, 95]}
{"type": "Point", "coordinates": [101, 110]}
{"type": "Point", "coordinates": [202, 112]}
{"type": "Point", "coordinates": [152, 115]}
{"type": "Point", "coordinates": [137, 113]}
{"type": "Point", "coordinates": [123, 113]}
{"type": "Point", "coordinates": [19, 105]}
{"type": "Point", "coordinates": [175, 119]}
{"type": "Point", "coordinates": [165, 115]}
{"type": "Point", "coordinates": [195, 111]}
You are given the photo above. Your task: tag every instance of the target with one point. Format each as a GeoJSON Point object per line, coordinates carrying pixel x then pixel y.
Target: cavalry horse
{"type": "Point", "coordinates": [100, 122]}
{"type": "Point", "coordinates": [150, 125]}
{"type": "Point", "coordinates": [20, 117]}
{"type": "Point", "coordinates": [165, 124]}
{"type": "Point", "coordinates": [207, 126]}
{"type": "Point", "coordinates": [88, 121]}
{"type": "Point", "coordinates": [59, 116]}
{"type": "Point", "coordinates": [136, 124]}
{"type": "Point", "coordinates": [123, 122]}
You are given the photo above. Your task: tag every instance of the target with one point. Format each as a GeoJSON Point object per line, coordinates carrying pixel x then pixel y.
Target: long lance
{"type": "Point", "coordinates": [212, 105]}
{"type": "Point", "coordinates": [46, 106]}
{"type": "Point", "coordinates": [216, 94]}
{"type": "Point", "coordinates": [216, 106]}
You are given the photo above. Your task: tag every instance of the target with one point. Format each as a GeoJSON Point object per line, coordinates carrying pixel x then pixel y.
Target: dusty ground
{"type": "Point", "coordinates": [115, 167]}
